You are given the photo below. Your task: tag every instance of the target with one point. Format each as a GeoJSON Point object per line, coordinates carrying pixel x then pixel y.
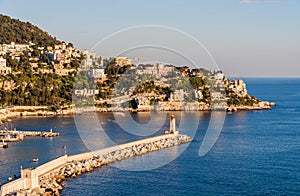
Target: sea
{"type": "Point", "coordinates": [255, 153]}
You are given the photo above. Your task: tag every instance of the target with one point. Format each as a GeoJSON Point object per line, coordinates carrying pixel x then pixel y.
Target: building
{"type": "Point", "coordinates": [86, 92]}
{"type": "Point", "coordinates": [22, 47]}
{"type": "Point", "coordinates": [3, 69]}
{"type": "Point", "coordinates": [89, 61]}
{"type": "Point", "coordinates": [121, 61]}
{"type": "Point", "coordinates": [13, 47]}
{"type": "Point", "coordinates": [238, 87]}
{"type": "Point", "coordinates": [177, 95]}
{"type": "Point", "coordinates": [159, 69]}
{"type": "Point", "coordinates": [219, 77]}
{"type": "Point", "coordinates": [198, 94]}
{"type": "Point", "coordinates": [96, 74]}
{"type": "Point", "coordinates": [61, 46]}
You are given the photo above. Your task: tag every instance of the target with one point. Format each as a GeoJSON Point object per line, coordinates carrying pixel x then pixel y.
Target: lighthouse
{"type": "Point", "coordinates": [172, 129]}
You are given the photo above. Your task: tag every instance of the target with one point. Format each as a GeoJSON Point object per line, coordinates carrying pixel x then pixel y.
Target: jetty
{"type": "Point", "coordinates": [48, 178]}
{"type": "Point", "coordinates": [16, 136]}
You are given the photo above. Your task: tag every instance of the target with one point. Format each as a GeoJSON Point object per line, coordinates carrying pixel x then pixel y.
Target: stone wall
{"type": "Point", "coordinates": [14, 185]}
{"type": "Point", "coordinates": [89, 155]}
{"type": "Point", "coordinates": [45, 168]}
{"type": "Point", "coordinates": [30, 177]}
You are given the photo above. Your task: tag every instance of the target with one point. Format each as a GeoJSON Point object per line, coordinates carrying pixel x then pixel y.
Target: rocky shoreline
{"type": "Point", "coordinates": [52, 183]}
{"type": "Point", "coordinates": [6, 114]}
{"type": "Point", "coordinates": [40, 111]}
{"type": "Point", "coordinates": [264, 105]}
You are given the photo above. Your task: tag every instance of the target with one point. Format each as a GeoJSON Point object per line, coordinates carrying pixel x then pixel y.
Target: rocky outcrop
{"type": "Point", "coordinates": [264, 105]}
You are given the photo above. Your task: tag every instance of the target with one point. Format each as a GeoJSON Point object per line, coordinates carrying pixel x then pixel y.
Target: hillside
{"type": "Point", "coordinates": [14, 30]}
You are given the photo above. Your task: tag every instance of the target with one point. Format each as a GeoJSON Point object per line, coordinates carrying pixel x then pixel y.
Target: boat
{"type": "Point", "coordinates": [3, 144]}
{"type": "Point", "coordinates": [10, 178]}
{"type": "Point", "coordinates": [35, 159]}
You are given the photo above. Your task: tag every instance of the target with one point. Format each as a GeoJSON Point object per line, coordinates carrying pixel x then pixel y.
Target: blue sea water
{"type": "Point", "coordinates": [257, 153]}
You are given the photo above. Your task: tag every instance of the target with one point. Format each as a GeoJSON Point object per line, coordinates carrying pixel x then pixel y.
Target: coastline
{"type": "Point", "coordinates": [6, 114]}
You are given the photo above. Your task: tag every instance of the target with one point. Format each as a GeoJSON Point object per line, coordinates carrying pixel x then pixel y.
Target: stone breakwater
{"type": "Point", "coordinates": [52, 182]}
{"type": "Point", "coordinates": [16, 136]}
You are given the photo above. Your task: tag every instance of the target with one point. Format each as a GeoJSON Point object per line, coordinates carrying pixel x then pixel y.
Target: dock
{"type": "Point", "coordinates": [16, 136]}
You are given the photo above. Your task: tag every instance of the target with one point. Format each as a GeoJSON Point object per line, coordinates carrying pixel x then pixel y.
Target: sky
{"type": "Point", "coordinates": [244, 38]}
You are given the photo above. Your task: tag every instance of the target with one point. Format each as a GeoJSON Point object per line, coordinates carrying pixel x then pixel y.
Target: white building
{"type": "Point", "coordinates": [13, 47]}
{"type": "Point", "coordinates": [121, 61]}
{"type": "Point", "coordinates": [198, 94]}
{"type": "Point", "coordinates": [86, 92]}
{"type": "Point", "coordinates": [158, 69]}
{"type": "Point", "coordinates": [3, 69]}
{"type": "Point", "coordinates": [219, 77]}
{"type": "Point", "coordinates": [238, 87]}
{"type": "Point", "coordinates": [61, 46]}
{"type": "Point", "coordinates": [177, 95]}
{"type": "Point", "coordinates": [96, 73]}
{"type": "Point", "coordinates": [90, 59]}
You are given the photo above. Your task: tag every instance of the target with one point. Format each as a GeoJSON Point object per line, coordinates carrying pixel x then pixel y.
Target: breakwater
{"type": "Point", "coordinates": [15, 136]}
{"type": "Point", "coordinates": [48, 179]}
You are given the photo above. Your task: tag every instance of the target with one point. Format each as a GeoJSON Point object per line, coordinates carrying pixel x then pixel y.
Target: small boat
{"type": "Point", "coordinates": [10, 178]}
{"type": "Point", "coordinates": [3, 144]}
{"type": "Point", "coordinates": [35, 159]}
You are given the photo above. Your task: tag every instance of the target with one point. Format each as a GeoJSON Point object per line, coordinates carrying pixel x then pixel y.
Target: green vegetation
{"type": "Point", "coordinates": [239, 101]}
{"type": "Point", "coordinates": [37, 89]}
{"type": "Point", "coordinates": [149, 87]}
{"type": "Point", "coordinates": [113, 72]}
{"type": "Point", "coordinates": [27, 86]}
{"type": "Point", "coordinates": [14, 30]}
{"type": "Point", "coordinates": [197, 82]}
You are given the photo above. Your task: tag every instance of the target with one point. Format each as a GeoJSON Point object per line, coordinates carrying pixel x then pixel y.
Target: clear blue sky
{"type": "Point", "coordinates": [246, 38]}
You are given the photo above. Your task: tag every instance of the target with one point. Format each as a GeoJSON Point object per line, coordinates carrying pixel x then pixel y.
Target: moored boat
{"type": "Point", "coordinates": [3, 144]}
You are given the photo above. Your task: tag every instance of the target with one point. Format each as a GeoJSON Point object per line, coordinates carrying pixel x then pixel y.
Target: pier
{"type": "Point", "coordinates": [48, 178]}
{"type": "Point", "coordinates": [16, 136]}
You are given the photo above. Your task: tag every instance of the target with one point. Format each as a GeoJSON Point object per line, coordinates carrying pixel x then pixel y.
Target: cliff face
{"type": "Point", "coordinates": [239, 99]}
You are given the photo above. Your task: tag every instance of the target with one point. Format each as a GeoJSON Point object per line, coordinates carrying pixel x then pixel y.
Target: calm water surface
{"type": "Point", "coordinates": [258, 152]}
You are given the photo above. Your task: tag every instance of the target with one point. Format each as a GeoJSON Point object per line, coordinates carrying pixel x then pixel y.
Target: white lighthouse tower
{"type": "Point", "coordinates": [172, 129]}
